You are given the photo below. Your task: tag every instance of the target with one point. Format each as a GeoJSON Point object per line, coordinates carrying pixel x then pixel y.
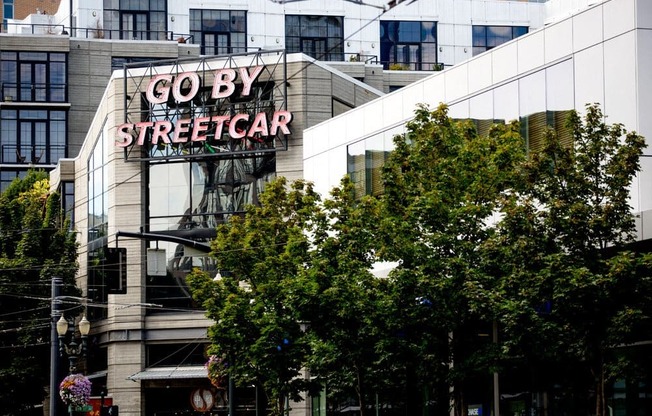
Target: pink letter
{"type": "Point", "coordinates": [259, 125]}
{"type": "Point", "coordinates": [182, 126]}
{"type": "Point", "coordinates": [143, 126]}
{"type": "Point", "coordinates": [124, 134]}
{"type": "Point", "coordinates": [233, 132]}
{"type": "Point", "coordinates": [248, 79]}
{"type": "Point", "coordinates": [161, 130]}
{"type": "Point", "coordinates": [201, 125]}
{"type": "Point", "coordinates": [194, 86]}
{"type": "Point", "coordinates": [223, 78]}
{"type": "Point", "coordinates": [280, 120]}
{"type": "Point", "coordinates": [219, 125]}
{"type": "Point", "coordinates": [163, 92]}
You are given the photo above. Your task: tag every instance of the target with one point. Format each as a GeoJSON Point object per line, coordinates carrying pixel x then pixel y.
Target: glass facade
{"type": "Point", "coordinates": [408, 45]}
{"type": "Point", "coordinates": [321, 37]}
{"type": "Point", "coordinates": [539, 101]}
{"type": "Point", "coordinates": [488, 37]}
{"type": "Point", "coordinates": [135, 19]}
{"type": "Point", "coordinates": [33, 76]}
{"type": "Point", "coordinates": [98, 220]}
{"type": "Point", "coordinates": [219, 32]}
{"type": "Point", "coordinates": [189, 200]}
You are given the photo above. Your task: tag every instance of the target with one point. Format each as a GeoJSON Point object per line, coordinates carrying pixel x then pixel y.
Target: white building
{"type": "Point", "coordinates": [600, 54]}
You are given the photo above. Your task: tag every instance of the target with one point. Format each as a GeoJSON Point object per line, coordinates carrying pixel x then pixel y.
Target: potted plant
{"type": "Point", "coordinates": [75, 391]}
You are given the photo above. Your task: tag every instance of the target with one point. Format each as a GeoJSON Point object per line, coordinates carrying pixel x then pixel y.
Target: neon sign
{"type": "Point", "coordinates": [183, 88]}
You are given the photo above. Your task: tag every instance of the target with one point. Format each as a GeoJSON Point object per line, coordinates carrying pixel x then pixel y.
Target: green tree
{"type": "Point", "coordinates": [258, 331]}
{"type": "Point", "coordinates": [442, 186]}
{"type": "Point", "coordinates": [35, 245]}
{"type": "Point", "coordinates": [571, 290]}
{"type": "Point", "coordinates": [345, 309]}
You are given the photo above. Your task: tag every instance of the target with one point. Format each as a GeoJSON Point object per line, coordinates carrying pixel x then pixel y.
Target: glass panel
{"type": "Point", "coordinates": [409, 32]}
{"type": "Point", "coordinates": [40, 82]}
{"type": "Point", "coordinates": [25, 82]}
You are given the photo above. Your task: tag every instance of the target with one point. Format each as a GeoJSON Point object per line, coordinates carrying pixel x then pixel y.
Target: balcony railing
{"type": "Point", "coordinates": [32, 92]}
{"type": "Point", "coordinates": [40, 154]}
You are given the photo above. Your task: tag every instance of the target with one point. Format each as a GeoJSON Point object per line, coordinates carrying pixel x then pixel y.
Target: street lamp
{"type": "Point", "coordinates": [72, 349]}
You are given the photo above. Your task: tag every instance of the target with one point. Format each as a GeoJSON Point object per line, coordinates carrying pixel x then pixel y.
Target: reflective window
{"type": "Point", "coordinates": [219, 32]}
{"type": "Point", "coordinates": [32, 136]}
{"type": "Point", "coordinates": [7, 11]}
{"type": "Point", "coordinates": [8, 176]}
{"type": "Point", "coordinates": [365, 164]}
{"type": "Point", "coordinates": [98, 223]}
{"type": "Point", "coordinates": [135, 19]}
{"type": "Point", "coordinates": [97, 188]}
{"type": "Point", "coordinates": [542, 101]}
{"type": "Point", "coordinates": [408, 45]}
{"type": "Point", "coordinates": [67, 191]}
{"type": "Point", "coordinates": [321, 37]}
{"type": "Point", "coordinates": [189, 200]}
{"type": "Point", "coordinates": [33, 76]}
{"type": "Point", "coordinates": [488, 37]}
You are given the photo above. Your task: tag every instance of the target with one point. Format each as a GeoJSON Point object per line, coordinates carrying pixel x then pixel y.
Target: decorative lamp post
{"type": "Point", "coordinates": [72, 349]}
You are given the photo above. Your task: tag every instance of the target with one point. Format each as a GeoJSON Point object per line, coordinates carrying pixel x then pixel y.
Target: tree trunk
{"type": "Point", "coordinates": [359, 390]}
{"type": "Point", "coordinates": [600, 401]}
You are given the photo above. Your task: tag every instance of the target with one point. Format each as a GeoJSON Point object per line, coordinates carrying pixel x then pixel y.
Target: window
{"type": "Point", "coordinates": [411, 45]}
{"type": "Point", "coordinates": [190, 200]}
{"type": "Point", "coordinates": [8, 176]}
{"type": "Point", "coordinates": [32, 136]}
{"type": "Point", "coordinates": [7, 12]}
{"type": "Point", "coordinates": [67, 191]}
{"type": "Point", "coordinates": [488, 37]}
{"type": "Point", "coordinates": [321, 37]}
{"type": "Point", "coordinates": [97, 188]}
{"type": "Point", "coordinates": [98, 223]}
{"type": "Point", "coordinates": [219, 32]}
{"type": "Point", "coordinates": [33, 76]}
{"type": "Point", "coordinates": [135, 19]}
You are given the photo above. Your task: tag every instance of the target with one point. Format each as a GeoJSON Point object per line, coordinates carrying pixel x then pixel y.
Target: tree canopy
{"type": "Point", "coordinates": [35, 245]}
{"type": "Point", "coordinates": [507, 261]}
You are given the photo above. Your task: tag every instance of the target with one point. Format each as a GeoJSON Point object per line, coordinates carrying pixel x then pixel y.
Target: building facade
{"type": "Point", "coordinates": [71, 77]}
{"type": "Point", "coordinates": [598, 54]}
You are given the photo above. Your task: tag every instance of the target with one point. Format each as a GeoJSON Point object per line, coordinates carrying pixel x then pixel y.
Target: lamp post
{"type": "Point", "coordinates": [72, 349]}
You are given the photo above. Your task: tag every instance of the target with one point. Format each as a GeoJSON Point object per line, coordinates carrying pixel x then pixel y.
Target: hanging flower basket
{"type": "Point", "coordinates": [216, 367]}
{"type": "Point", "coordinates": [75, 390]}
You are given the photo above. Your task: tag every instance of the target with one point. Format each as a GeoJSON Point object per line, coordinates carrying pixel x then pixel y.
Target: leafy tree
{"type": "Point", "coordinates": [258, 331]}
{"type": "Point", "coordinates": [345, 308]}
{"type": "Point", "coordinates": [571, 290]}
{"type": "Point", "coordinates": [442, 185]}
{"type": "Point", "coordinates": [35, 245]}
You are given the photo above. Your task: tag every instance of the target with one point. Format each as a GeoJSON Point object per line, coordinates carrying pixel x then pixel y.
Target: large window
{"type": "Point", "coordinates": [7, 12]}
{"type": "Point", "coordinates": [321, 37]}
{"type": "Point", "coordinates": [33, 76]}
{"type": "Point", "coordinates": [488, 37]}
{"type": "Point", "coordinates": [408, 45]}
{"type": "Point", "coordinates": [98, 220]}
{"type": "Point", "coordinates": [32, 136]}
{"type": "Point", "coordinates": [135, 19]}
{"type": "Point", "coordinates": [219, 32]}
{"type": "Point", "coordinates": [190, 200]}
{"type": "Point", "coordinates": [97, 188]}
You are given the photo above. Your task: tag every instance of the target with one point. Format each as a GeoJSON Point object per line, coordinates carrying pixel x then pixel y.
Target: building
{"type": "Point", "coordinates": [66, 91]}
{"type": "Point", "coordinates": [599, 53]}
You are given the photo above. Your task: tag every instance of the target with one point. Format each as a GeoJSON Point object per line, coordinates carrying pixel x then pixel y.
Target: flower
{"type": "Point", "coordinates": [75, 390]}
{"type": "Point", "coordinates": [216, 367]}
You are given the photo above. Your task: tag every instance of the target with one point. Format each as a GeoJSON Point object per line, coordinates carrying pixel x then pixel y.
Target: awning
{"type": "Point", "coordinates": [167, 373]}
